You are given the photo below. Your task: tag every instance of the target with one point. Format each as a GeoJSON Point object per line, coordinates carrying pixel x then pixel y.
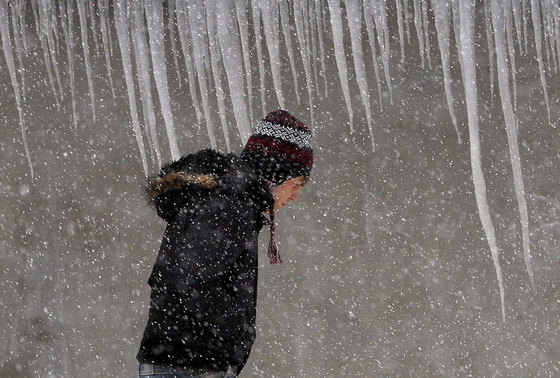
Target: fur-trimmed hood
{"type": "Point", "coordinates": [206, 171]}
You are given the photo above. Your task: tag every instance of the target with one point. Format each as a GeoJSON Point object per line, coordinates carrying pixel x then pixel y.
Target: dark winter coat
{"type": "Point", "coordinates": [204, 281]}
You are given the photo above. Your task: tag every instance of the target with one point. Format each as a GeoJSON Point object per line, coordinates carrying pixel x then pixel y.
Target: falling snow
{"type": "Point", "coordinates": [425, 244]}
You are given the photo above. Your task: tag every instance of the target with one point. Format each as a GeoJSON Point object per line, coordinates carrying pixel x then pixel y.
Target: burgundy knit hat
{"type": "Point", "coordinates": [278, 151]}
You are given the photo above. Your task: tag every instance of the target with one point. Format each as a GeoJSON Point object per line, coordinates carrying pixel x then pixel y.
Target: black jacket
{"type": "Point", "coordinates": [204, 281]}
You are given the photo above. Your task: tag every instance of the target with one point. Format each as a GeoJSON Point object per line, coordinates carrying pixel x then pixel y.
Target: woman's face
{"type": "Point", "coordinates": [288, 190]}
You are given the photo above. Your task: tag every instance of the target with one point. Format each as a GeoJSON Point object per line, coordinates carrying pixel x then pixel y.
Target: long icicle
{"type": "Point", "coordinates": [123, 35]}
{"type": "Point", "coordinates": [305, 52]}
{"type": "Point", "coordinates": [380, 19]}
{"type": "Point", "coordinates": [243, 24]}
{"type": "Point", "coordinates": [287, 32]}
{"type": "Point", "coordinates": [353, 7]}
{"type": "Point", "coordinates": [67, 23]}
{"type": "Point", "coordinates": [338, 38]}
{"type": "Point", "coordinates": [154, 19]}
{"type": "Point", "coordinates": [370, 28]}
{"type": "Point", "coordinates": [441, 15]}
{"type": "Point", "coordinates": [233, 64]}
{"type": "Point", "coordinates": [85, 48]}
{"type": "Point", "coordinates": [511, 128]}
{"type": "Point", "coordinates": [142, 57]}
{"type": "Point", "coordinates": [197, 21]}
{"type": "Point", "coordinates": [269, 10]}
{"type": "Point", "coordinates": [217, 73]}
{"type": "Point", "coordinates": [467, 55]}
{"type": "Point", "coordinates": [535, 15]}
{"type": "Point", "coordinates": [8, 54]}
{"type": "Point", "coordinates": [186, 47]}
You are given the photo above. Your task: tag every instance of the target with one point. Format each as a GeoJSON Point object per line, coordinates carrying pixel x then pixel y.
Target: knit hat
{"type": "Point", "coordinates": [278, 151]}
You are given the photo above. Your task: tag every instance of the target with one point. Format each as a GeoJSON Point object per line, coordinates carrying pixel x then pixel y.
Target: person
{"type": "Point", "coordinates": [202, 312]}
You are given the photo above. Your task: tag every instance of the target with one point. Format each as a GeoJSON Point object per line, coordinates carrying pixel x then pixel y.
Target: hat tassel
{"type": "Point", "coordinates": [273, 250]}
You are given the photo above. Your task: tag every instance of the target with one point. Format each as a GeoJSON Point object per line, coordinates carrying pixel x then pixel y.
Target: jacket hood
{"type": "Point", "coordinates": [206, 171]}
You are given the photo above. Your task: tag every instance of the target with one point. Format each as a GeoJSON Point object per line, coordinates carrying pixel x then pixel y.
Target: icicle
{"type": "Point", "coordinates": [197, 23]}
{"type": "Point", "coordinates": [338, 39]}
{"type": "Point", "coordinates": [511, 46]}
{"type": "Point", "coordinates": [231, 53]}
{"type": "Point", "coordinates": [214, 45]}
{"type": "Point", "coordinates": [468, 66]}
{"type": "Point", "coordinates": [8, 54]}
{"type": "Point", "coordinates": [286, 30]}
{"type": "Point", "coordinates": [426, 25]}
{"type": "Point", "coordinates": [270, 26]}
{"type": "Point", "coordinates": [121, 24]}
{"type": "Point", "coordinates": [400, 17]}
{"type": "Point", "coordinates": [142, 59]}
{"type": "Point", "coordinates": [511, 128]}
{"type": "Point", "coordinates": [320, 22]}
{"type": "Point", "coordinates": [354, 11]}
{"type": "Point", "coordinates": [182, 23]}
{"type": "Point", "coordinates": [535, 16]}
{"type": "Point", "coordinates": [85, 47]}
{"type": "Point", "coordinates": [154, 19]}
{"type": "Point", "coordinates": [90, 15]}
{"type": "Point", "coordinates": [517, 15]}
{"type": "Point", "coordinates": [257, 27]}
{"type": "Point", "coordinates": [102, 7]}
{"type": "Point", "coordinates": [18, 26]}
{"type": "Point", "coordinates": [441, 16]}
{"type": "Point", "coordinates": [420, 31]}
{"type": "Point", "coordinates": [172, 40]}
{"type": "Point", "coordinates": [383, 37]}
{"type": "Point", "coordinates": [304, 51]}
{"type": "Point", "coordinates": [67, 23]}
{"type": "Point", "coordinates": [44, 29]}
{"type": "Point", "coordinates": [490, 44]}
{"type": "Point", "coordinates": [368, 16]}
{"type": "Point", "coordinates": [243, 23]}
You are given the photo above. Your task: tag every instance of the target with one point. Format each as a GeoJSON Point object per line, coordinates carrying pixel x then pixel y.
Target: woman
{"type": "Point", "coordinates": [204, 281]}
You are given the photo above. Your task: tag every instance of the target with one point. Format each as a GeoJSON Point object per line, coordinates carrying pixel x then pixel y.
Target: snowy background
{"type": "Point", "coordinates": [387, 269]}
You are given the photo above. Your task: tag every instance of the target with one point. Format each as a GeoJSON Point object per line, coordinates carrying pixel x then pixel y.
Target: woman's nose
{"type": "Point", "coordinates": [295, 194]}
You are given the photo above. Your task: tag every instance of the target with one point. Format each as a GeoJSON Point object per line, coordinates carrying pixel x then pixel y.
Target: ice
{"type": "Point", "coordinates": [442, 18]}
{"type": "Point", "coordinates": [197, 22]}
{"type": "Point", "coordinates": [269, 11]}
{"type": "Point", "coordinates": [257, 25]}
{"type": "Point", "coordinates": [490, 44]}
{"type": "Point", "coordinates": [85, 48]}
{"type": "Point", "coordinates": [20, 42]}
{"type": "Point", "coordinates": [535, 15]}
{"type": "Point", "coordinates": [123, 34]}
{"type": "Point", "coordinates": [400, 19]}
{"type": "Point", "coordinates": [8, 54]}
{"type": "Point", "coordinates": [215, 56]}
{"type": "Point", "coordinates": [233, 63]}
{"type": "Point", "coordinates": [155, 22]}
{"type": "Point", "coordinates": [338, 39]}
{"type": "Point", "coordinates": [382, 31]}
{"type": "Point", "coordinates": [300, 13]}
{"type": "Point", "coordinates": [172, 40]}
{"type": "Point", "coordinates": [142, 58]}
{"type": "Point", "coordinates": [243, 22]}
{"type": "Point", "coordinates": [182, 26]}
{"type": "Point", "coordinates": [353, 7]}
{"type": "Point", "coordinates": [67, 23]}
{"type": "Point", "coordinates": [511, 128]}
{"type": "Point", "coordinates": [103, 6]}
{"type": "Point", "coordinates": [466, 10]}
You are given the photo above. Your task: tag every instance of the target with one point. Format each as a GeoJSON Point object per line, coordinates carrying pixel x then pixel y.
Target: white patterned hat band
{"type": "Point", "coordinates": [301, 138]}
